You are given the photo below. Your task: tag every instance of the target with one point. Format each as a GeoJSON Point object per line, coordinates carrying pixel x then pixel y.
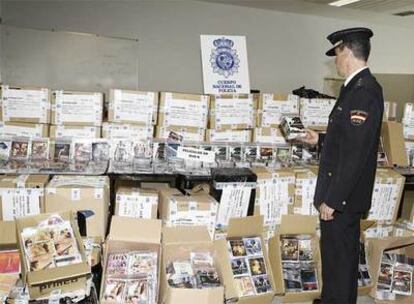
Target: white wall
{"type": "Point", "coordinates": [285, 50]}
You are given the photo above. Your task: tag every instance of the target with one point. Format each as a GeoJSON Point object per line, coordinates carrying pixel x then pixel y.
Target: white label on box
{"type": "Point", "coordinates": [384, 201]}
{"type": "Point", "coordinates": [315, 112]}
{"type": "Point", "coordinates": [126, 131]}
{"type": "Point", "coordinates": [75, 194]}
{"type": "Point", "coordinates": [136, 206]}
{"type": "Point", "coordinates": [25, 104]}
{"type": "Point", "coordinates": [188, 113]}
{"type": "Point", "coordinates": [76, 132]}
{"type": "Point", "coordinates": [201, 155]}
{"type": "Point", "coordinates": [273, 110]}
{"type": "Point", "coordinates": [308, 193]}
{"type": "Point", "coordinates": [273, 138]}
{"type": "Point", "coordinates": [273, 200]}
{"type": "Point", "coordinates": [20, 202]}
{"type": "Point", "coordinates": [136, 107]}
{"type": "Point", "coordinates": [234, 111]}
{"type": "Point", "coordinates": [79, 108]}
{"type": "Point", "coordinates": [187, 136]}
{"type": "Point", "coordinates": [20, 131]}
{"type": "Point", "coordinates": [234, 203]}
{"type": "Point", "coordinates": [193, 216]}
{"type": "Point", "coordinates": [234, 136]}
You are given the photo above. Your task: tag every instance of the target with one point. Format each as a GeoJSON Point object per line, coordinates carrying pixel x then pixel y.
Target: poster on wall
{"type": "Point", "coordinates": [225, 65]}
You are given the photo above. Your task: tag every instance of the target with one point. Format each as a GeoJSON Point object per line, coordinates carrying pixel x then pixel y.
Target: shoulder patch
{"type": "Point", "coordinates": [358, 117]}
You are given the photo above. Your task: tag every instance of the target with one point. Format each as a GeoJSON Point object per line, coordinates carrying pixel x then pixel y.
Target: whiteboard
{"type": "Point", "coordinates": [66, 60]}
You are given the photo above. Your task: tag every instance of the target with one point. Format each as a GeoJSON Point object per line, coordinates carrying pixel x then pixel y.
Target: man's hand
{"type": "Point", "coordinates": [311, 138]}
{"type": "Point", "coordinates": [326, 212]}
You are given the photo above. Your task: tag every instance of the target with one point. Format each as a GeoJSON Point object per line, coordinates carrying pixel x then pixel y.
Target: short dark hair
{"type": "Point", "coordinates": [361, 48]}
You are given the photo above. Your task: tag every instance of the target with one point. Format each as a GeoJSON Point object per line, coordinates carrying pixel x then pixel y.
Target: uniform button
{"type": "Point", "coordinates": [329, 173]}
{"type": "Point", "coordinates": [344, 203]}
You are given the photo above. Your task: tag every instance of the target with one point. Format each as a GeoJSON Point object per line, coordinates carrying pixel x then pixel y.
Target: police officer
{"type": "Point", "coordinates": [347, 164]}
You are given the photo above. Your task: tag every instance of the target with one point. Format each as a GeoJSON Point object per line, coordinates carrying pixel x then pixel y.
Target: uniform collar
{"type": "Point", "coordinates": [350, 77]}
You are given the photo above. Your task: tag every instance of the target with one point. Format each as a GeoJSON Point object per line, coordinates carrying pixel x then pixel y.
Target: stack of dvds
{"type": "Point", "coordinates": [49, 245]}
{"type": "Point", "coordinates": [131, 277]}
{"type": "Point", "coordinates": [196, 272]}
{"type": "Point", "coordinates": [395, 276]}
{"type": "Point", "coordinates": [292, 128]}
{"type": "Point", "coordinates": [364, 278]}
{"type": "Point", "coordinates": [299, 269]}
{"type": "Point", "coordinates": [248, 265]}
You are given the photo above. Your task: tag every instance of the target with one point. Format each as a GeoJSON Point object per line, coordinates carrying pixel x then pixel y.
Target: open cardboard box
{"type": "Point", "coordinates": [404, 245]}
{"type": "Point", "coordinates": [65, 279]}
{"type": "Point", "coordinates": [81, 193]}
{"type": "Point", "coordinates": [251, 226]}
{"type": "Point", "coordinates": [178, 243]}
{"type": "Point", "coordinates": [295, 225]}
{"type": "Point", "coordinates": [364, 225]}
{"type": "Point", "coordinates": [130, 234]}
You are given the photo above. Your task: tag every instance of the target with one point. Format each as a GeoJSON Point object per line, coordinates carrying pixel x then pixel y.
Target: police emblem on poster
{"type": "Point", "coordinates": [225, 65]}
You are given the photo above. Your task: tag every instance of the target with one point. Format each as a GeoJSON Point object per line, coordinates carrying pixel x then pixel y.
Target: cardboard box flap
{"type": "Point", "coordinates": [246, 226]}
{"type": "Point", "coordinates": [181, 235]}
{"type": "Point", "coordinates": [59, 273]}
{"type": "Point", "coordinates": [26, 181]}
{"type": "Point", "coordinates": [298, 224]}
{"type": "Point", "coordinates": [8, 234]}
{"type": "Point", "coordinates": [391, 243]}
{"type": "Point", "coordinates": [135, 230]}
{"type": "Point", "coordinates": [394, 147]}
{"type": "Point", "coordinates": [366, 224]}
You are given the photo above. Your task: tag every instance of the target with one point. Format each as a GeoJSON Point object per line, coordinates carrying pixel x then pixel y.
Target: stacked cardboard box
{"type": "Point", "coordinates": [20, 196]}
{"type": "Point", "coordinates": [314, 113]}
{"type": "Point", "coordinates": [269, 136]}
{"type": "Point", "coordinates": [25, 111]}
{"type": "Point", "coordinates": [408, 121]}
{"type": "Point", "coordinates": [89, 194]}
{"type": "Point", "coordinates": [177, 209]}
{"type": "Point", "coordinates": [390, 111]}
{"type": "Point", "coordinates": [305, 185]}
{"type": "Point", "coordinates": [386, 196]}
{"type": "Point", "coordinates": [233, 112]}
{"type": "Point", "coordinates": [21, 129]}
{"type": "Point", "coordinates": [185, 114]}
{"type": "Point", "coordinates": [131, 115]}
{"type": "Point", "coordinates": [73, 132]}
{"type": "Point", "coordinates": [136, 202]}
{"type": "Point", "coordinates": [275, 194]}
{"type": "Point", "coordinates": [76, 115]}
{"type": "Point", "coordinates": [409, 148]}
{"type": "Point", "coordinates": [272, 107]}
{"type": "Point", "coordinates": [228, 136]}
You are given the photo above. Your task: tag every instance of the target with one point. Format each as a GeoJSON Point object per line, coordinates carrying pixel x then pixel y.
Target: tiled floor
{"type": "Point", "coordinates": [361, 300]}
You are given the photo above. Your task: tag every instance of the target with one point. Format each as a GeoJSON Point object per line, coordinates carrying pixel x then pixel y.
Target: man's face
{"type": "Point", "coordinates": [340, 60]}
